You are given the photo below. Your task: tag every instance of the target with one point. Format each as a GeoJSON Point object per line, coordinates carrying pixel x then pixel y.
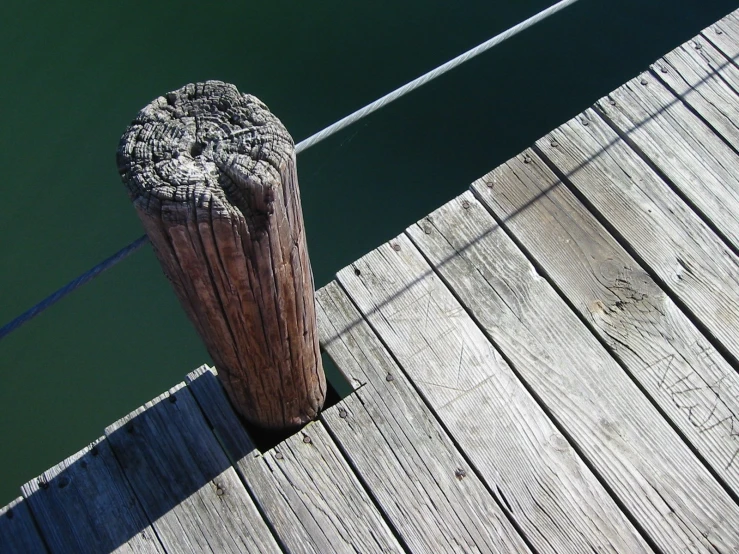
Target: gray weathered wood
{"type": "Point", "coordinates": [184, 481]}
{"type": "Point", "coordinates": [707, 82]}
{"type": "Point", "coordinates": [18, 533]}
{"type": "Point", "coordinates": [701, 165]}
{"type": "Point", "coordinates": [625, 439]}
{"type": "Point", "coordinates": [303, 486]}
{"type": "Point", "coordinates": [691, 382]}
{"type": "Point", "coordinates": [434, 499]}
{"type": "Point", "coordinates": [724, 34]}
{"type": "Point", "coordinates": [665, 233]}
{"type": "Point", "coordinates": [553, 496]}
{"type": "Point", "coordinates": [85, 504]}
{"type": "Point", "coordinates": [212, 175]}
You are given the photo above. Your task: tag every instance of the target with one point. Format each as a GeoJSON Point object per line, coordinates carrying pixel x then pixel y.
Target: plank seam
{"type": "Point", "coordinates": [716, 45]}
{"type": "Point", "coordinates": [363, 483]}
{"type": "Point", "coordinates": [662, 175]}
{"type": "Point", "coordinates": [36, 525]}
{"type": "Point", "coordinates": [240, 476]}
{"type": "Point", "coordinates": [542, 271]}
{"type": "Point", "coordinates": [724, 351]}
{"type": "Point", "coordinates": [627, 514]}
{"type": "Point", "coordinates": [341, 449]}
{"type": "Point", "coordinates": [133, 493]}
{"type": "Point", "coordinates": [690, 108]}
{"type": "Point", "coordinates": [488, 487]}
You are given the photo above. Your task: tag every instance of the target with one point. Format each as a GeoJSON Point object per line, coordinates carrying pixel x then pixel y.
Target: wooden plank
{"type": "Point", "coordinates": [660, 228]}
{"type": "Point", "coordinates": [85, 504]}
{"type": "Point", "coordinates": [724, 34]}
{"type": "Point", "coordinates": [553, 497]}
{"type": "Point", "coordinates": [705, 80]}
{"type": "Point", "coordinates": [303, 486]}
{"type": "Point", "coordinates": [425, 487]}
{"type": "Point", "coordinates": [18, 531]}
{"type": "Point", "coordinates": [629, 444]}
{"type": "Point", "coordinates": [701, 165]}
{"type": "Point", "coordinates": [691, 382]}
{"type": "Point", "coordinates": [184, 481]}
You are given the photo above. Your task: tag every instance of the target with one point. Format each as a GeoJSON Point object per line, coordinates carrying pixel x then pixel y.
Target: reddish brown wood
{"type": "Point", "coordinates": [212, 175]}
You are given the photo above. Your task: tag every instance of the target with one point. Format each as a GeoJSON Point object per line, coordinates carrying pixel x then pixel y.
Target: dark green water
{"type": "Point", "coordinates": [74, 75]}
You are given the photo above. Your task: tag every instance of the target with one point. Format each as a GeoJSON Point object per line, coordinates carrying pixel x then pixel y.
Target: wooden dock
{"type": "Point", "coordinates": [547, 363]}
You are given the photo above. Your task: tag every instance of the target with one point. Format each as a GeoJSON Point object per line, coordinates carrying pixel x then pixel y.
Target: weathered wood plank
{"type": "Point", "coordinates": [691, 382]}
{"type": "Point", "coordinates": [705, 80]}
{"type": "Point", "coordinates": [85, 504]}
{"type": "Point", "coordinates": [553, 496]}
{"type": "Point", "coordinates": [656, 224]}
{"type": "Point", "coordinates": [18, 533]}
{"type": "Point", "coordinates": [184, 481]}
{"type": "Point", "coordinates": [724, 34]}
{"type": "Point", "coordinates": [303, 486]}
{"type": "Point", "coordinates": [434, 499]}
{"type": "Point", "coordinates": [701, 165]}
{"type": "Point", "coordinates": [629, 444]}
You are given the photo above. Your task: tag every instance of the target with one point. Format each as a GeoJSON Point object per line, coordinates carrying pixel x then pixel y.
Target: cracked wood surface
{"type": "Point", "coordinates": [659, 345]}
{"type": "Point", "coordinates": [626, 441]}
{"type": "Point", "coordinates": [304, 486]}
{"type": "Point", "coordinates": [84, 504]}
{"type": "Point", "coordinates": [212, 175]}
{"type": "Point", "coordinates": [18, 531]}
{"type": "Point", "coordinates": [697, 161]}
{"type": "Point", "coordinates": [668, 238]}
{"type": "Point", "coordinates": [705, 80]}
{"type": "Point", "coordinates": [427, 490]}
{"type": "Point", "coordinates": [725, 35]}
{"type": "Point", "coordinates": [550, 493]}
{"type": "Point", "coordinates": [184, 481]}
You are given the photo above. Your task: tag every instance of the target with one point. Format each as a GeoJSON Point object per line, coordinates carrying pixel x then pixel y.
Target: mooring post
{"type": "Point", "coordinates": [212, 175]}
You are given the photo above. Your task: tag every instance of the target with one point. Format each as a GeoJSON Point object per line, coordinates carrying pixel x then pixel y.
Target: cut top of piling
{"type": "Point", "coordinates": [204, 148]}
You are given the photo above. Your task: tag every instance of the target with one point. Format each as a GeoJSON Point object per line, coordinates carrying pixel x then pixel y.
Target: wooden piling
{"type": "Point", "coordinates": [212, 175]}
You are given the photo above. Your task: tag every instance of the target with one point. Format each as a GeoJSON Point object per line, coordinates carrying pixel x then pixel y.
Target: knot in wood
{"type": "Point", "coordinates": [205, 151]}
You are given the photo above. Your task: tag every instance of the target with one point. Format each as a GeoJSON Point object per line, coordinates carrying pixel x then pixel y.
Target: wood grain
{"type": "Point", "coordinates": [424, 486]}
{"type": "Point", "coordinates": [552, 495]}
{"type": "Point", "coordinates": [663, 351]}
{"type": "Point", "coordinates": [724, 34]}
{"type": "Point", "coordinates": [18, 531]}
{"type": "Point", "coordinates": [303, 486]}
{"type": "Point", "coordinates": [697, 161]}
{"type": "Point", "coordinates": [85, 504]}
{"type": "Point", "coordinates": [628, 443]}
{"type": "Point", "coordinates": [184, 481]}
{"type": "Point", "coordinates": [212, 175]}
{"type": "Point", "coordinates": [706, 81]}
{"type": "Point", "coordinates": [657, 225]}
